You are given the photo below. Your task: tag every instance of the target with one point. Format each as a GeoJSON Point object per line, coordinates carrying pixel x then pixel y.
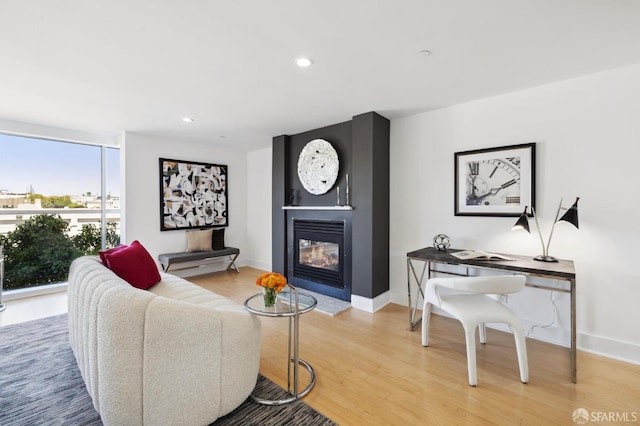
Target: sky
{"type": "Point", "coordinates": [55, 168]}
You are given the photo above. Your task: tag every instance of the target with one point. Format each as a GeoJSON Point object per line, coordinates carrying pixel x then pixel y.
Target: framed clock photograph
{"type": "Point", "coordinates": [495, 181]}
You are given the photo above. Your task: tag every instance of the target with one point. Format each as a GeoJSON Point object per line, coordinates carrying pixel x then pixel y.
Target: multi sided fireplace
{"type": "Point", "coordinates": [319, 247]}
{"type": "Point", "coordinates": [320, 256]}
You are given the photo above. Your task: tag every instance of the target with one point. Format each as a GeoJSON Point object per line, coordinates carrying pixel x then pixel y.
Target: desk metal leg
{"type": "Point", "coordinates": [413, 308]}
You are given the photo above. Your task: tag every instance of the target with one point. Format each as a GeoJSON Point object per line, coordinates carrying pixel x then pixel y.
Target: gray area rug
{"type": "Point", "coordinates": [40, 384]}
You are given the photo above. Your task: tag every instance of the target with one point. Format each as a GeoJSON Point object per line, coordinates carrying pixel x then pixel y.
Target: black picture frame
{"type": "Point", "coordinates": [193, 194]}
{"type": "Point", "coordinates": [497, 181]}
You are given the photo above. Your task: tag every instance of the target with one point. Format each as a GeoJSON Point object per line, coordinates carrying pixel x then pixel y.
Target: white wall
{"type": "Point", "coordinates": [588, 144]}
{"type": "Point", "coordinates": [141, 213]}
{"type": "Point", "coordinates": [258, 243]}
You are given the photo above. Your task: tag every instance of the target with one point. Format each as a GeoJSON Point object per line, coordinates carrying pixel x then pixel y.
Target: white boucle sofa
{"type": "Point", "coordinates": [175, 354]}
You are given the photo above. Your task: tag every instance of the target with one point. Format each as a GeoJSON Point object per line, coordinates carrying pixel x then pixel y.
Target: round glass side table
{"type": "Point", "coordinates": [291, 304]}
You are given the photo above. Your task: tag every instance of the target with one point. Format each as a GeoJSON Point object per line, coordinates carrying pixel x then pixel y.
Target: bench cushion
{"type": "Point", "coordinates": [199, 240]}
{"type": "Point", "coordinates": [169, 258]}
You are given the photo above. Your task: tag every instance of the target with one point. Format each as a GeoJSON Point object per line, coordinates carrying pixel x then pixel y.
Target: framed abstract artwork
{"type": "Point", "coordinates": [495, 181]}
{"type": "Point", "coordinates": [192, 195]}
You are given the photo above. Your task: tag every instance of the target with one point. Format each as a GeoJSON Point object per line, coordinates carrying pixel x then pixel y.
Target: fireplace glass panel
{"type": "Point", "coordinates": [319, 254]}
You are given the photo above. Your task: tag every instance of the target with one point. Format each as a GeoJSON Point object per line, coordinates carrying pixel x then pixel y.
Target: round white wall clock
{"type": "Point", "coordinates": [318, 166]}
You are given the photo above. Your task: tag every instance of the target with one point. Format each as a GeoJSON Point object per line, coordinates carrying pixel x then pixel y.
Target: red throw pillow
{"type": "Point", "coordinates": [135, 265]}
{"type": "Point", "coordinates": [103, 253]}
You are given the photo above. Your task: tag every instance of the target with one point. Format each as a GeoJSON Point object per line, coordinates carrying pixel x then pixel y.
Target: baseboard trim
{"type": "Point", "coordinates": [371, 305]}
{"type": "Point", "coordinates": [610, 348]}
{"type": "Point", "coordinates": [264, 266]}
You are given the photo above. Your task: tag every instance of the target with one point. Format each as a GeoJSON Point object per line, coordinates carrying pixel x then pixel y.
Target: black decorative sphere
{"type": "Point", "coordinates": [441, 242]}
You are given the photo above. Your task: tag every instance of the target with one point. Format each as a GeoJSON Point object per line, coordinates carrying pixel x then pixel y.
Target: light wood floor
{"type": "Point", "coordinates": [372, 370]}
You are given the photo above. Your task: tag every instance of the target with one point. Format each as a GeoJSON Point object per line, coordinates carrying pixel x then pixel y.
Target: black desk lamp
{"type": "Point", "coordinates": [571, 216]}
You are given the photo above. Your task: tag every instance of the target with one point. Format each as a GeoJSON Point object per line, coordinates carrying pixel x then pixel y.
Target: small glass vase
{"type": "Point", "coordinates": [269, 296]}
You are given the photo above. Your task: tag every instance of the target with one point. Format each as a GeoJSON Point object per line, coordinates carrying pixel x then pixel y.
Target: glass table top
{"type": "Point", "coordinates": [285, 304]}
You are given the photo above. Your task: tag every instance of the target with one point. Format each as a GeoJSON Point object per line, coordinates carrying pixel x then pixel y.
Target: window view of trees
{"type": "Point", "coordinates": [52, 207]}
{"type": "Point", "coordinates": [40, 250]}
{"type": "Point", "coordinates": [88, 241]}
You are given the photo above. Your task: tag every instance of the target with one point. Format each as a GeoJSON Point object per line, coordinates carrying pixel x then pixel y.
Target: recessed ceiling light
{"type": "Point", "coordinates": [303, 62]}
{"type": "Point", "coordinates": [424, 53]}
{"type": "Point", "coordinates": [187, 119]}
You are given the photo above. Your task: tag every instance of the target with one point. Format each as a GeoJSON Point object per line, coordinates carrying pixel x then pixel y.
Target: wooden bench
{"type": "Point", "coordinates": [200, 258]}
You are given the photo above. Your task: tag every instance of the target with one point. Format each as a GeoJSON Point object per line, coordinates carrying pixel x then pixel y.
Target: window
{"type": "Point", "coordinates": [58, 200]}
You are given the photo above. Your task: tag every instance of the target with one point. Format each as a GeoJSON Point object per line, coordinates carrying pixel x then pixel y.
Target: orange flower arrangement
{"type": "Point", "coordinates": [271, 283]}
{"type": "Point", "coordinates": [272, 280]}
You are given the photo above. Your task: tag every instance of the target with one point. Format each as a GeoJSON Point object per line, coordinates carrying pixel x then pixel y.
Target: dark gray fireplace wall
{"type": "Point", "coordinates": [279, 189]}
{"type": "Point", "coordinates": [363, 148]}
{"type": "Point", "coordinates": [370, 198]}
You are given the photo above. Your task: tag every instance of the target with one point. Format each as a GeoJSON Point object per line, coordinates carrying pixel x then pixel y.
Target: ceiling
{"type": "Point", "coordinates": [142, 65]}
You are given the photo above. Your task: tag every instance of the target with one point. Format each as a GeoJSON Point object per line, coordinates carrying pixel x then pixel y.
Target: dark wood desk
{"type": "Point", "coordinates": [563, 270]}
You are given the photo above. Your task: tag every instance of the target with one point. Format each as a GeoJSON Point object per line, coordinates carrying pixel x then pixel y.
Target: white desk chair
{"type": "Point", "coordinates": [475, 308]}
